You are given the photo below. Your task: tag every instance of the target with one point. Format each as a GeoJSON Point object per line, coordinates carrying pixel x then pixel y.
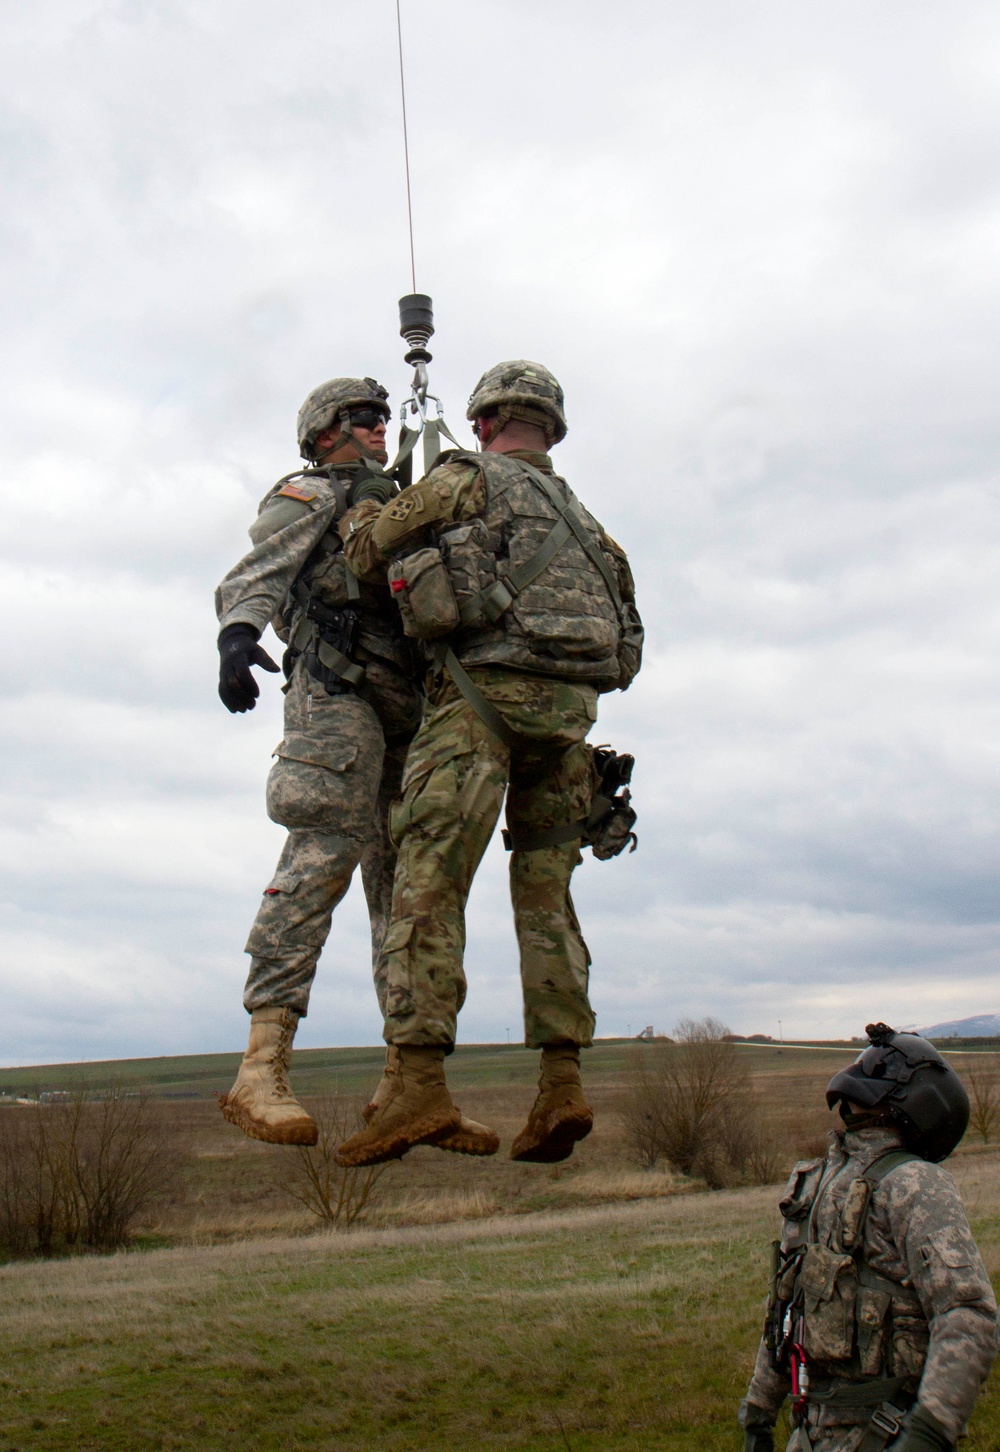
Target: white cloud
{"type": "Point", "coordinates": [759, 246]}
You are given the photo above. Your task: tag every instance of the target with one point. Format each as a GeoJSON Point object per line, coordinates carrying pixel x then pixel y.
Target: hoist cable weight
{"type": "Point", "coordinates": [416, 327]}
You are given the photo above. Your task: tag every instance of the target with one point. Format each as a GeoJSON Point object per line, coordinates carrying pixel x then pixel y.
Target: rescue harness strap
{"type": "Point", "coordinates": [500, 596]}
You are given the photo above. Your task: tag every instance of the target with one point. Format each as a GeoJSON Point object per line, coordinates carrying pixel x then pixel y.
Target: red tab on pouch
{"type": "Point", "coordinates": [396, 585]}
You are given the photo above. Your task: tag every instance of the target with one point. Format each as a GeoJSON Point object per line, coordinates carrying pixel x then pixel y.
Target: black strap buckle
{"type": "Point", "coordinates": [886, 1421]}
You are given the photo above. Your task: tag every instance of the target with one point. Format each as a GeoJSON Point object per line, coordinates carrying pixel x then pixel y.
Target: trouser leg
{"type": "Point", "coordinates": [548, 789]}
{"type": "Point", "coordinates": [323, 787]}
{"type": "Point", "coordinates": [292, 924]}
{"type": "Point", "coordinates": [378, 860]}
{"type": "Point", "coordinates": [453, 789]}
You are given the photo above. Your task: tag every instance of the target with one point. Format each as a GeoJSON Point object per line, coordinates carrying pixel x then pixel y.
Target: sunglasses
{"type": "Point", "coordinates": [367, 418]}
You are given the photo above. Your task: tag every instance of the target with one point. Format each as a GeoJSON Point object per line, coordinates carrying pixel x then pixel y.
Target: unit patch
{"type": "Point", "coordinates": [297, 491]}
{"type": "Point", "coordinates": [402, 509]}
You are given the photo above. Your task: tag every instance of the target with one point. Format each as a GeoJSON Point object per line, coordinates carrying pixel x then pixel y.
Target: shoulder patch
{"type": "Point", "coordinates": [299, 492]}
{"type": "Point", "coordinates": [408, 503]}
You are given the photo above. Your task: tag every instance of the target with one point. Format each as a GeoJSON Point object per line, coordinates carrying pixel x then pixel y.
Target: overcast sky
{"type": "Point", "coordinates": [758, 241]}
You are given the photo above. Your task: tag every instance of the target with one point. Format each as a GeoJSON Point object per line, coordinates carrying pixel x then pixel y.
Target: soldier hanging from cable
{"type": "Point", "coordinates": [526, 608]}
{"type": "Point", "coordinates": [881, 1324]}
{"type": "Point", "coordinates": [352, 705]}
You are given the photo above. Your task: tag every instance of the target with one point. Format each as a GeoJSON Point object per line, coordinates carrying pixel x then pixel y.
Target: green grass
{"type": "Point", "coordinates": [621, 1327]}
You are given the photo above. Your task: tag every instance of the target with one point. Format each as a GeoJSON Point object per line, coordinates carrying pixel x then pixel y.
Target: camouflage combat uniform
{"type": "Point", "coordinates": [918, 1314]}
{"type": "Point", "coordinates": [340, 763]}
{"type": "Point", "coordinates": [541, 666]}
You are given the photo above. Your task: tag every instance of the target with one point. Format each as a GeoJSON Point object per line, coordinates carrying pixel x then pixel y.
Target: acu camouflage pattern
{"type": "Point", "coordinates": [521, 389]}
{"type": "Point", "coordinates": [456, 775]}
{"type": "Point", "coordinates": [340, 763]}
{"type": "Point", "coordinates": [938, 1329]}
{"type": "Point", "coordinates": [565, 624]}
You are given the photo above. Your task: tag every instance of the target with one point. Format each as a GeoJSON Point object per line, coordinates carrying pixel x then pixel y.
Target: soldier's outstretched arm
{"type": "Point", "coordinates": [284, 534]}
{"type": "Point", "coordinates": [373, 534]}
{"type": "Point", "coordinates": [928, 1222]}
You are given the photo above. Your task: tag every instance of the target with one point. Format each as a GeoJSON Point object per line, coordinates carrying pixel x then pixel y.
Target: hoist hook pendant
{"type": "Point", "coordinates": [416, 325]}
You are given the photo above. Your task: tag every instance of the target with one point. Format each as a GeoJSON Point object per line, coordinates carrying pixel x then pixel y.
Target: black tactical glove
{"type": "Point", "coordinates": [372, 487]}
{"type": "Point", "coordinates": [758, 1428]}
{"type": "Point", "coordinates": [922, 1433]}
{"type": "Point", "coordinates": [238, 651]}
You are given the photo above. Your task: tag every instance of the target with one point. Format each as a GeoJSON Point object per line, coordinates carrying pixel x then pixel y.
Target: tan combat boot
{"type": "Point", "coordinates": [261, 1102]}
{"type": "Point", "coordinates": [559, 1116]}
{"type": "Point", "coordinates": [411, 1106]}
{"type": "Point", "coordinates": [469, 1139]}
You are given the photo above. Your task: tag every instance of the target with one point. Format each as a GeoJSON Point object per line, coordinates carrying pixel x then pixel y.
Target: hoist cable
{"type": "Point", "coordinates": [406, 146]}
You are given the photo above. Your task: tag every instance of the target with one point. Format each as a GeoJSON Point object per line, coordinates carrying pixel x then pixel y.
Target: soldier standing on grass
{"type": "Point", "coordinates": [352, 705]}
{"type": "Point", "coordinates": [882, 1320]}
{"type": "Point", "coordinates": [528, 608]}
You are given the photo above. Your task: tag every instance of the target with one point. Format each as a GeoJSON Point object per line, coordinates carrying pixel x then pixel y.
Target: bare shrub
{"type": "Point", "coordinates": [693, 1104]}
{"type": "Point", "coordinates": [76, 1174]}
{"type": "Point", "coordinates": [335, 1195]}
{"type": "Point", "coordinates": [984, 1095]}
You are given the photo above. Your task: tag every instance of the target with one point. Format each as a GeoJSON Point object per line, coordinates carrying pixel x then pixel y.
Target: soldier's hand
{"type": "Point", "coordinates": [758, 1439]}
{"type": "Point", "coordinates": [758, 1428]}
{"type": "Point", "coordinates": [238, 651]}
{"type": "Point", "coordinates": [372, 487]}
{"type": "Point", "coordinates": [922, 1433]}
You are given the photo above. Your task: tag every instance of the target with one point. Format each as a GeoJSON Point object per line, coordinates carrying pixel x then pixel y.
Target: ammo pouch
{"type": "Point", "coordinates": [422, 589]}
{"type": "Point", "coordinates": [828, 1286]}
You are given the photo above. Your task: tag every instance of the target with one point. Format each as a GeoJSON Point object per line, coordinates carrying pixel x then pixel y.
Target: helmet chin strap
{"type": "Point", "coordinates": [348, 438]}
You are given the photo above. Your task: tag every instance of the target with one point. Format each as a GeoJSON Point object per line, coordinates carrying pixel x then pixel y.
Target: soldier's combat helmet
{"type": "Point", "coordinates": [905, 1077]}
{"type": "Point", "coordinates": [334, 400]}
{"type": "Point", "coordinates": [523, 390]}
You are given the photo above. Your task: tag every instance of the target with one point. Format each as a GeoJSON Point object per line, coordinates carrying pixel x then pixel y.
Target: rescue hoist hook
{"type": "Point", "coordinates": [416, 326]}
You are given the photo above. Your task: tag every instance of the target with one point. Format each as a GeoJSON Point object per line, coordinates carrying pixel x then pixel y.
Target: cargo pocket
{"type": "Point", "coordinates": [829, 1283]}
{"type": "Point", "coordinates": [277, 915]}
{"type": "Point", "coordinates": [955, 1249]}
{"type": "Point", "coordinates": [311, 784]}
{"type": "Point", "coordinates": [393, 979]}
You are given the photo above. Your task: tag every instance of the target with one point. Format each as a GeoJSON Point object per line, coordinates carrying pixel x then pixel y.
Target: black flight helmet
{"type": "Point", "coordinates": [905, 1076]}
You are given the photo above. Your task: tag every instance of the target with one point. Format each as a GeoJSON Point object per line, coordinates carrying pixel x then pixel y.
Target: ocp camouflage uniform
{"type": "Point", "coordinates": [925, 1313]}
{"type": "Point", "coordinates": [340, 763]}
{"type": "Point", "coordinates": [541, 667]}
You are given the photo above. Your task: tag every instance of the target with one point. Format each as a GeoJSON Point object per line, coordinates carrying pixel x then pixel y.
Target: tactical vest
{"type": "Point", "coordinates": [562, 620]}
{"type": "Point", "coordinates": [848, 1336]}
{"type": "Point", "coordinates": [334, 621]}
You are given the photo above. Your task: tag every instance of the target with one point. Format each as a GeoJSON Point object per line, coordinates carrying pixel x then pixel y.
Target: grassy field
{"type": "Point", "coordinates": [485, 1305]}
{"type": "Point", "coordinates": [625, 1326]}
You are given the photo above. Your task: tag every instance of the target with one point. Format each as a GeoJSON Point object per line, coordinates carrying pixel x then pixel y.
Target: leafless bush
{"type": "Point", "coordinates": [333, 1194]}
{"type": "Point", "coordinates": [984, 1095]}
{"type": "Point", "coordinates": [76, 1174]}
{"type": "Point", "coordinates": [693, 1104]}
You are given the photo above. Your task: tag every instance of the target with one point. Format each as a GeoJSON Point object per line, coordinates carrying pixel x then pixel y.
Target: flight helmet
{"type": "Point", "coordinates": [904, 1076]}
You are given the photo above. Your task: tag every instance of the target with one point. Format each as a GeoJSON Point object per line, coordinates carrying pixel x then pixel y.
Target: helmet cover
{"type": "Point", "coordinates": [325, 404]}
{"type": "Point", "coordinates": [523, 390]}
{"type": "Point", "coordinates": [905, 1076]}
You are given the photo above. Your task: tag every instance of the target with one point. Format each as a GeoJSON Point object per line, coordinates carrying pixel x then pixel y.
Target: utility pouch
{"type": "Point", "coordinates": [852, 1217]}
{"type": "Point", "coordinates": [612, 816]}
{"type": "Point", "coordinates": [422, 589]}
{"type": "Point", "coordinates": [471, 564]}
{"type": "Point", "coordinates": [828, 1285]}
{"type": "Point", "coordinates": [873, 1309]}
